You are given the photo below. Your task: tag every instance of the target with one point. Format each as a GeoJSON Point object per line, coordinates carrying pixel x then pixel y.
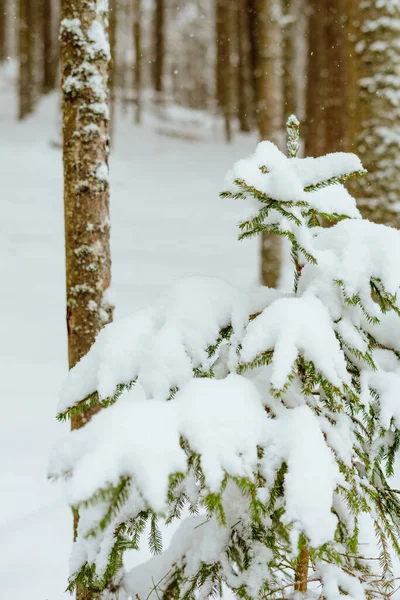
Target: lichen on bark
{"type": "Point", "coordinates": [85, 59]}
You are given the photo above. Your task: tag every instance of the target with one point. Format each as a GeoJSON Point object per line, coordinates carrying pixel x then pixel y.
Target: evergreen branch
{"type": "Point", "coordinates": [335, 180]}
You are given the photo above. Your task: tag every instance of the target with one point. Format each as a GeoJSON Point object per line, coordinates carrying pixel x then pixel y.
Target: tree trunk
{"type": "Point", "coordinates": [327, 95]}
{"type": "Point", "coordinates": [224, 70]}
{"type": "Point", "coordinates": [26, 58]}
{"type": "Point", "coordinates": [290, 58]}
{"type": "Point", "coordinates": [3, 30]}
{"type": "Point", "coordinates": [137, 39]}
{"type": "Point", "coordinates": [159, 47]}
{"type": "Point", "coordinates": [112, 70]}
{"type": "Point", "coordinates": [85, 60]}
{"type": "Point", "coordinates": [301, 577]}
{"type": "Point", "coordinates": [268, 69]}
{"type": "Point", "coordinates": [244, 64]}
{"type": "Point", "coordinates": [335, 103]}
{"type": "Point", "coordinates": [315, 124]}
{"type": "Point", "coordinates": [353, 76]}
{"type": "Point", "coordinates": [379, 90]}
{"type": "Point", "coordinates": [50, 50]}
{"type": "Point", "coordinates": [268, 44]}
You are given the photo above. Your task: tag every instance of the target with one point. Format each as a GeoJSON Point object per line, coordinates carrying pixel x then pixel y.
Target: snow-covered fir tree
{"type": "Point", "coordinates": [266, 422]}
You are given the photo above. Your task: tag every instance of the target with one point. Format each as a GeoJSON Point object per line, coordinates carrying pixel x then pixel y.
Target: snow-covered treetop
{"type": "Point", "coordinates": [270, 420]}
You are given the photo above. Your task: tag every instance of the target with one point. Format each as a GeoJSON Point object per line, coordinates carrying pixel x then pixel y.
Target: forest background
{"type": "Point", "coordinates": [193, 84]}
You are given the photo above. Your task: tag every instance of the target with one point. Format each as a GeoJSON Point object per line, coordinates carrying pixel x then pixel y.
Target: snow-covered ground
{"type": "Point", "coordinates": [167, 223]}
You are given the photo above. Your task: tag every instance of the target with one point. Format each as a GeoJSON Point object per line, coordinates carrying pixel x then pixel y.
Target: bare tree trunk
{"type": "Point", "coordinates": [26, 58]}
{"type": "Point", "coordinates": [112, 71]}
{"type": "Point", "coordinates": [137, 39]}
{"type": "Point", "coordinates": [378, 92]}
{"type": "Point", "coordinates": [353, 76]}
{"type": "Point", "coordinates": [224, 71]}
{"type": "Point", "coordinates": [327, 95]}
{"type": "Point", "coordinates": [159, 47]}
{"type": "Point", "coordinates": [50, 48]}
{"type": "Point", "coordinates": [335, 103]}
{"type": "Point", "coordinates": [268, 44]}
{"type": "Point", "coordinates": [244, 64]}
{"type": "Point", "coordinates": [252, 25]}
{"type": "Point", "coordinates": [268, 69]}
{"type": "Point", "coordinates": [3, 30]}
{"type": "Point", "coordinates": [85, 58]}
{"type": "Point", "coordinates": [315, 124]}
{"type": "Point", "coordinates": [290, 59]}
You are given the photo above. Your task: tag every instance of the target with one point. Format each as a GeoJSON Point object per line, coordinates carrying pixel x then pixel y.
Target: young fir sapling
{"type": "Point", "coordinates": [267, 422]}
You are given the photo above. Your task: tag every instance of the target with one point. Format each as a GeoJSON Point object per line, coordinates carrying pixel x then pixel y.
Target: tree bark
{"type": "Point", "coordinates": [269, 88]}
{"type": "Point", "coordinates": [268, 69]}
{"type": "Point", "coordinates": [113, 65]}
{"type": "Point", "coordinates": [301, 577]}
{"type": "Point", "coordinates": [3, 30]}
{"type": "Point", "coordinates": [327, 94]}
{"type": "Point", "coordinates": [26, 58]}
{"type": "Point", "coordinates": [335, 102]}
{"type": "Point", "coordinates": [378, 91]}
{"type": "Point", "coordinates": [159, 47]}
{"type": "Point", "coordinates": [50, 48]}
{"type": "Point", "coordinates": [244, 65]}
{"type": "Point", "coordinates": [85, 60]}
{"type": "Point", "coordinates": [224, 71]}
{"type": "Point", "coordinates": [290, 58]}
{"type": "Point", "coordinates": [137, 40]}
{"type": "Point", "coordinates": [315, 124]}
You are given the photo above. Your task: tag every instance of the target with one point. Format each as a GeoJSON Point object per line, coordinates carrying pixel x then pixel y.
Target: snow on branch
{"type": "Point", "coordinates": [271, 418]}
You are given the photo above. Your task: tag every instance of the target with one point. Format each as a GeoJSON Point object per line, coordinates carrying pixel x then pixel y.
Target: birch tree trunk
{"type": "Point", "coordinates": [269, 109]}
{"type": "Point", "coordinates": [379, 91]}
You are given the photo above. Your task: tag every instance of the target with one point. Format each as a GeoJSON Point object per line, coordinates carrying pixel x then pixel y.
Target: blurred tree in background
{"type": "Point", "coordinates": [247, 65]}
